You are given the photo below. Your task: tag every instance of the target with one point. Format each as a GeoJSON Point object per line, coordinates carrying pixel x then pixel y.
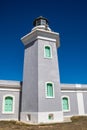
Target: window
{"type": "Point", "coordinates": [50, 116]}
{"type": "Point", "coordinates": [65, 104]}
{"type": "Point", "coordinates": [49, 90]}
{"type": "Point", "coordinates": [8, 106]}
{"type": "Point", "coordinates": [28, 117]}
{"type": "Point", "coordinates": [47, 52]}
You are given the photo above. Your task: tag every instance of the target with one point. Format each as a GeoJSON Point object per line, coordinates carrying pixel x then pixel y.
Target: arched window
{"type": "Point", "coordinates": [49, 90]}
{"type": "Point", "coordinates": [65, 104]}
{"type": "Point", "coordinates": [47, 52]}
{"type": "Point", "coordinates": [8, 104]}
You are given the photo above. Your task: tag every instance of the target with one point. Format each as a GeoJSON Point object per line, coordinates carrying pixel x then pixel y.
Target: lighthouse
{"type": "Point", "coordinates": [41, 94]}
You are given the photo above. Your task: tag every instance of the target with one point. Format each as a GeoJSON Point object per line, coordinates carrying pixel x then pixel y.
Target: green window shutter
{"type": "Point", "coordinates": [65, 103]}
{"type": "Point", "coordinates": [47, 51]}
{"type": "Point", "coordinates": [8, 107]}
{"type": "Point", "coordinates": [49, 90]}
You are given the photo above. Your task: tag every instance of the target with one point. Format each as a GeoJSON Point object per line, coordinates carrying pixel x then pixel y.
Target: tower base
{"type": "Point", "coordinates": [42, 117]}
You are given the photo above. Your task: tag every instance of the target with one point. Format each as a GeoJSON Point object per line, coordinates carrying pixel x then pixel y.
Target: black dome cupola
{"type": "Point", "coordinates": [40, 21]}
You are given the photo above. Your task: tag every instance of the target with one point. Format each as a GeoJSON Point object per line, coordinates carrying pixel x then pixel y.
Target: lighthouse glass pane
{"type": "Point", "coordinates": [47, 52]}
{"type": "Point", "coordinates": [8, 107]}
{"type": "Point", "coordinates": [38, 22]}
{"type": "Point", "coordinates": [49, 90]}
{"type": "Point", "coordinates": [43, 22]}
{"type": "Point", "coordinates": [65, 103]}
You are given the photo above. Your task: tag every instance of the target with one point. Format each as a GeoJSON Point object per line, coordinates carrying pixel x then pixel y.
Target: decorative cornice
{"type": "Point", "coordinates": [10, 84]}
{"type": "Point", "coordinates": [40, 33]}
{"type": "Point", "coordinates": [74, 87]}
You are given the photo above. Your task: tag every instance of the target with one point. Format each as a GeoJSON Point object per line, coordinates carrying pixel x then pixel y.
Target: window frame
{"type": "Point", "coordinates": [68, 103]}
{"type": "Point", "coordinates": [50, 51]}
{"type": "Point", "coordinates": [46, 90]}
{"type": "Point", "coordinates": [3, 105]}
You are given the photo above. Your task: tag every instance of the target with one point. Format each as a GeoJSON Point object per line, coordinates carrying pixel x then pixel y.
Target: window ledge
{"type": "Point", "coordinates": [50, 97]}
{"type": "Point", "coordinates": [66, 110]}
{"type": "Point", "coordinates": [7, 112]}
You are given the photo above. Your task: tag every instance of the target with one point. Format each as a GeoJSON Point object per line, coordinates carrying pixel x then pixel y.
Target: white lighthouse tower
{"type": "Point", "coordinates": [41, 95]}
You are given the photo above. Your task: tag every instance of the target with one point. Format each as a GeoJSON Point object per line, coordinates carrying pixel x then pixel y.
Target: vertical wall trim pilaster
{"type": "Point", "coordinates": [80, 103]}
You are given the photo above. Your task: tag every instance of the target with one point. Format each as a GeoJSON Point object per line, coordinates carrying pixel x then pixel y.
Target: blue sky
{"type": "Point", "coordinates": [68, 17]}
